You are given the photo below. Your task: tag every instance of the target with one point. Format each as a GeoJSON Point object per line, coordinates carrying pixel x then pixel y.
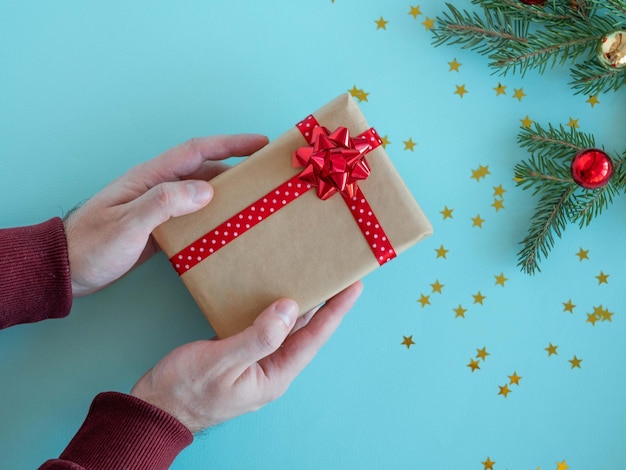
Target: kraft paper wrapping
{"type": "Point", "coordinates": [309, 250]}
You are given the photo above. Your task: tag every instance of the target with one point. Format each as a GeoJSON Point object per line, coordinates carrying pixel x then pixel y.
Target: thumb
{"type": "Point", "coordinates": [171, 199]}
{"type": "Point", "coordinates": [264, 336]}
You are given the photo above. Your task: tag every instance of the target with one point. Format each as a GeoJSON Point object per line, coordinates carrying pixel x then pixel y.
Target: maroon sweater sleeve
{"type": "Point", "coordinates": [34, 274]}
{"type": "Point", "coordinates": [120, 431]}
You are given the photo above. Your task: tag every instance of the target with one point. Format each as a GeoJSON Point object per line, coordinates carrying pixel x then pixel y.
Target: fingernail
{"type": "Point", "coordinates": [199, 191]}
{"type": "Point", "coordinates": [287, 310]}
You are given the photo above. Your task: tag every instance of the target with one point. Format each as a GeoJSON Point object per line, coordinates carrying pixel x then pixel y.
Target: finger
{"type": "Point", "coordinates": [263, 337]}
{"type": "Point", "coordinates": [208, 171]}
{"type": "Point", "coordinates": [301, 347]}
{"type": "Point", "coordinates": [188, 157]}
{"type": "Point", "coordinates": [167, 200]}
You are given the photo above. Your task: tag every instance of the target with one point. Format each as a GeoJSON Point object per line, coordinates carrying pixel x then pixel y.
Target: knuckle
{"type": "Point", "coordinates": [162, 197]}
{"type": "Point", "coordinates": [267, 340]}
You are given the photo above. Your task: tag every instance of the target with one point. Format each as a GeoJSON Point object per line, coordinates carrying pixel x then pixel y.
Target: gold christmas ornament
{"type": "Point", "coordinates": [612, 50]}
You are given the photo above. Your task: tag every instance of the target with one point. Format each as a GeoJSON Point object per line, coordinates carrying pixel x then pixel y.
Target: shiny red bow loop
{"type": "Point", "coordinates": [334, 162]}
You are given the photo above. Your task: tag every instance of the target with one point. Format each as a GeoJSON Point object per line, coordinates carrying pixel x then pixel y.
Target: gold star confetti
{"type": "Point", "coordinates": [583, 254]}
{"type": "Point", "coordinates": [381, 23]}
{"type": "Point", "coordinates": [482, 353]}
{"type": "Point", "coordinates": [409, 144]}
{"type": "Point", "coordinates": [459, 311]}
{"type": "Point", "coordinates": [568, 306]}
{"type": "Point", "coordinates": [573, 123]}
{"type": "Point", "coordinates": [604, 314]}
{"type": "Point", "coordinates": [593, 100]}
{"type": "Point", "coordinates": [415, 11]}
{"type": "Point", "coordinates": [488, 464]}
{"type": "Point", "coordinates": [527, 122]}
{"type": "Point", "coordinates": [441, 252]}
{"type": "Point", "coordinates": [358, 93]}
{"type": "Point", "coordinates": [477, 221]}
{"type": "Point", "coordinates": [480, 172]}
{"type": "Point", "coordinates": [602, 278]}
{"type": "Point", "coordinates": [498, 191]}
{"type": "Point", "coordinates": [473, 365]}
{"type": "Point", "coordinates": [437, 286]}
{"type": "Point", "coordinates": [447, 213]}
{"type": "Point", "coordinates": [514, 379]}
{"type": "Point", "coordinates": [498, 204]}
{"type": "Point", "coordinates": [478, 298]}
{"type": "Point", "coordinates": [460, 90]}
{"type": "Point", "coordinates": [386, 142]}
{"type": "Point", "coordinates": [551, 350]}
{"type": "Point", "coordinates": [504, 390]}
{"type": "Point", "coordinates": [592, 318]}
{"type": "Point", "coordinates": [408, 341]}
{"type": "Point", "coordinates": [500, 279]}
{"type": "Point", "coordinates": [575, 362]}
{"type": "Point", "coordinates": [519, 93]}
{"type": "Point", "coordinates": [562, 465]}
{"type": "Point", "coordinates": [454, 66]}
{"type": "Point", "coordinates": [500, 89]}
{"type": "Point", "coordinates": [424, 300]}
{"type": "Point", "coordinates": [428, 23]}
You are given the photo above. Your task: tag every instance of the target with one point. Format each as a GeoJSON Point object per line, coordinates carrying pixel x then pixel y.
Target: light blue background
{"type": "Point", "coordinates": [87, 90]}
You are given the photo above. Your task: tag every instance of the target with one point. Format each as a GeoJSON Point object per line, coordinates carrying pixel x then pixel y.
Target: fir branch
{"type": "Point", "coordinates": [471, 31]}
{"type": "Point", "coordinates": [542, 174]}
{"type": "Point", "coordinates": [554, 143]}
{"type": "Point", "coordinates": [592, 78]}
{"type": "Point", "coordinates": [550, 219]}
{"type": "Point", "coordinates": [553, 12]}
{"type": "Point", "coordinates": [590, 203]}
{"type": "Point", "coordinates": [615, 7]}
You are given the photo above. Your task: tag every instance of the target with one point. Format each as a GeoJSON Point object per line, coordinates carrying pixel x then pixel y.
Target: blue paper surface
{"type": "Point", "coordinates": [88, 90]}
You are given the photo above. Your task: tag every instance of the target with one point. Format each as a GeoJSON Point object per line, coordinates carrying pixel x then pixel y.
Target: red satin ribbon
{"type": "Point", "coordinates": [333, 162]}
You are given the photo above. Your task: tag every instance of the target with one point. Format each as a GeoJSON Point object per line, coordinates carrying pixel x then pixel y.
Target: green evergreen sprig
{"type": "Point", "coordinates": [517, 37]}
{"type": "Point", "coordinates": [561, 201]}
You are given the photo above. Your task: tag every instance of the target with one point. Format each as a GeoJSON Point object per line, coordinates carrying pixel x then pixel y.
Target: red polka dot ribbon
{"type": "Point", "coordinates": [333, 162]}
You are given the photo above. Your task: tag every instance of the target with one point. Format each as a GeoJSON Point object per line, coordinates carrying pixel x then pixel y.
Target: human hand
{"type": "Point", "coordinates": [207, 382]}
{"type": "Point", "coordinates": [110, 233]}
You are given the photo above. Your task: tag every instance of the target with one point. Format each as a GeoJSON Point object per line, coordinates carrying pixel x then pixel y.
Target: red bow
{"type": "Point", "coordinates": [334, 163]}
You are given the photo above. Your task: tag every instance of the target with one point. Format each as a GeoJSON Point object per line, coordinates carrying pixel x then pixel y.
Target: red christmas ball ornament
{"type": "Point", "coordinates": [534, 2]}
{"type": "Point", "coordinates": [592, 168]}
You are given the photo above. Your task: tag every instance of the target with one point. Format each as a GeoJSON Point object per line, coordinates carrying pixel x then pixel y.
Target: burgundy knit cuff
{"type": "Point", "coordinates": [122, 431]}
{"type": "Point", "coordinates": [35, 281]}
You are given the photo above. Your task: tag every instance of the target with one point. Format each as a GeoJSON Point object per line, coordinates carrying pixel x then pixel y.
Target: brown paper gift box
{"type": "Point", "coordinates": [309, 250]}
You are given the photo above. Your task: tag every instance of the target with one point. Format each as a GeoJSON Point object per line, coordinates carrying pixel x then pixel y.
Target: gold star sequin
{"type": "Point", "coordinates": [441, 252]}
{"type": "Point", "coordinates": [519, 93]}
{"type": "Point", "coordinates": [603, 313]}
{"type": "Point", "coordinates": [459, 311]}
{"type": "Point", "coordinates": [498, 204]}
{"type": "Point", "coordinates": [514, 379]}
{"type": "Point", "coordinates": [569, 306]}
{"type": "Point", "coordinates": [447, 213]}
{"type": "Point", "coordinates": [575, 362]}
{"type": "Point", "coordinates": [482, 353]}
{"type": "Point", "coordinates": [429, 23]}
{"type": "Point", "coordinates": [562, 465]}
{"type": "Point", "coordinates": [573, 123]}
{"type": "Point", "coordinates": [583, 254]}
{"type": "Point", "coordinates": [408, 341]}
{"type": "Point", "coordinates": [386, 142]}
{"type": "Point", "coordinates": [592, 318]}
{"type": "Point", "coordinates": [478, 298]}
{"type": "Point", "coordinates": [500, 279]}
{"type": "Point", "coordinates": [504, 390]}
{"type": "Point", "coordinates": [500, 89]}
{"type": "Point", "coordinates": [527, 122]}
{"type": "Point", "coordinates": [409, 144]}
{"type": "Point", "coordinates": [498, 191]}
{"type": "Point", "coordinates": [473, 365]}
{"type": "Point", "coordinates": [480, 172]}
{"type": "Point", "coordinates": [437, 286]}
{"type": "Point", "coordinates": [381, 23]}
{"type": "Point", "coordinates": [551, 350]}
{"type": "Point", "coordinates": [477, 221]}
{"type": "Point", "coordinates": [602, 278]}
{"type": "Point", "coordinates": [454, 66]}
{"type": "Point", "coordinates": [460, 90]}
{"type": "Point", "coordinates": [424, 300]}
{"type": "Point", "coordinates": [415, 11]}
{"type": "Point", "coordinates": [488, 464]}
{"type": "Point", "coordinates": [593, 100]}
{"type": "Point", "coordinates": [358, 93]}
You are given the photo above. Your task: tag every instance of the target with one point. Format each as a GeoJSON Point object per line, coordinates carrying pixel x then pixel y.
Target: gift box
{"type": "Point", "coordinates": [304, 217]}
